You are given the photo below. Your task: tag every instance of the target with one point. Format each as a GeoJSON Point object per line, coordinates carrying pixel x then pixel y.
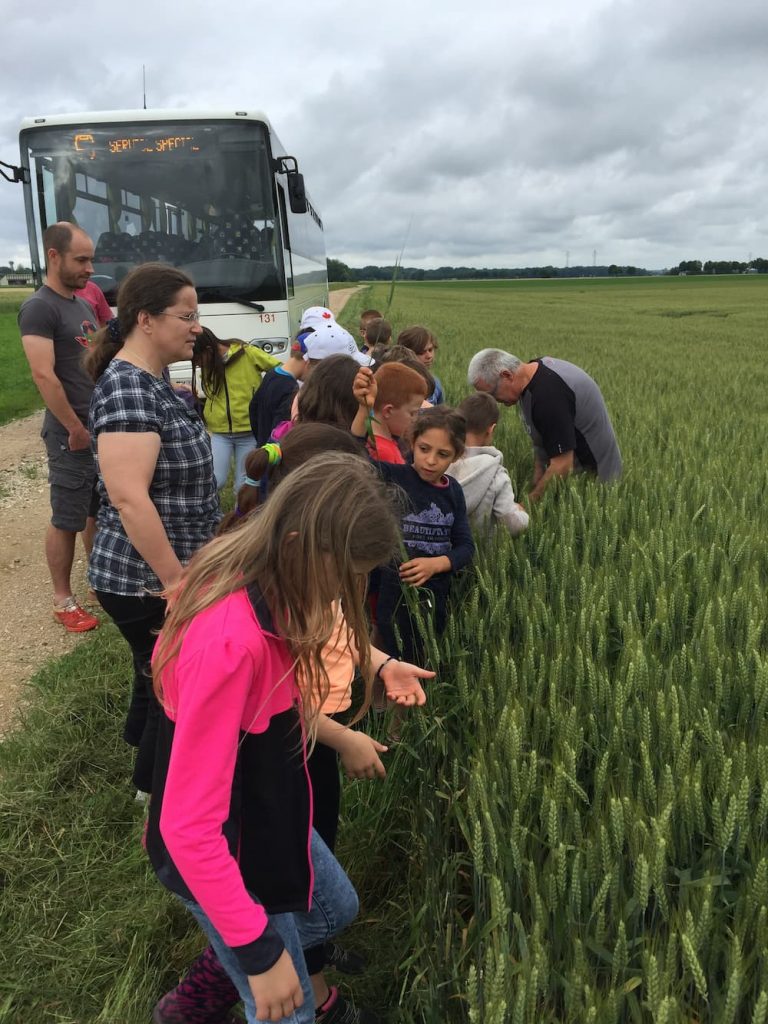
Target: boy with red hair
{"type": "Point", "coordinates": [400, 392]}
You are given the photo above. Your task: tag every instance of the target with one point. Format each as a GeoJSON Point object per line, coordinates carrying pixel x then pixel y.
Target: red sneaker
{"type": "Point", "coordinates": [74, 618]}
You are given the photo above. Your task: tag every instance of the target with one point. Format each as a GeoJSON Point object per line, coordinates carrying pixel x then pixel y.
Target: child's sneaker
{"type": "Point", "coordinates": [344, 960]}
{"type": "Point", "coordinates": [206, 995]}
{"type": "Point", "coordinates": [74, 618]}
{"type": "Point", "coordinates": [162, 1015]}
{"type": "Point", "coordinates": [338, 1010]}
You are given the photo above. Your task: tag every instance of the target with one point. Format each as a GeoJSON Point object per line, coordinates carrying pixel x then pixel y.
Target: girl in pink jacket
{"type": "Point", "coordinates": [230, 825]}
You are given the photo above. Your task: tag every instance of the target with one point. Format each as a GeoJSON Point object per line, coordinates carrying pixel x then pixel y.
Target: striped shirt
{"type": "Point", "coordinates": [128, 399]}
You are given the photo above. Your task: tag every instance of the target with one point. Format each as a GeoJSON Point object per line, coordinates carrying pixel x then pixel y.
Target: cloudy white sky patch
{"type": "Point", "coordinates": [483, 133]}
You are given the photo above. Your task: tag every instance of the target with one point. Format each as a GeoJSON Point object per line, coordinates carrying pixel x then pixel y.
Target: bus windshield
{"type": "Point", "coordinates": [196, 194]}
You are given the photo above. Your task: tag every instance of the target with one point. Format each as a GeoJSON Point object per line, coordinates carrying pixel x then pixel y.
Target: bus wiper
{"type": "Point", "coordinates": [249, 302]}
{"type": "Point", "coordinates": [210, 293]}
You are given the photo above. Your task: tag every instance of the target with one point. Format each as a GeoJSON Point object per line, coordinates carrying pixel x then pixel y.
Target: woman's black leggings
{"type": "Point", "coordinates": [139, 619]}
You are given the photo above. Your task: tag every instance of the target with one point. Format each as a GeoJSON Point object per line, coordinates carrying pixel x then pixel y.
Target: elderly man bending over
{"type": "Point", "coordinates": [562, 409]}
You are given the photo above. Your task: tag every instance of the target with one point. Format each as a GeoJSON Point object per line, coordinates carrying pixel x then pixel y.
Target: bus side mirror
{"type": "Point", "coordinates": [18, 174]}
{"type": "Point", "coordinates": [297, 196]}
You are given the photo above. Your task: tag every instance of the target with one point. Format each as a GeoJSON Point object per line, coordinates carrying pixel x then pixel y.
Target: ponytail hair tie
{"type": "Point", "coordinates": [274, 453]}
{"type": "Point", "coordinates": [250, 482]}
{"type": "Point", "coordinates": [113, 327]}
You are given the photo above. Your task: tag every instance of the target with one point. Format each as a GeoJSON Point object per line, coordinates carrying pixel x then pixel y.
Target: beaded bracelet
{"type": "Point", "coordinates": [382, 665]}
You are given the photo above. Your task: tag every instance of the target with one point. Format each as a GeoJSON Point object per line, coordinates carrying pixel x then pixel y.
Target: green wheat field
{"type": "Point", "coordinates": [576, 827]}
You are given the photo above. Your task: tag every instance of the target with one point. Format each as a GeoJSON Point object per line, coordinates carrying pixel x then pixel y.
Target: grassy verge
{"type": "Point", "coordinates": [18, 395]}
{"type": "Point", "coordinates": [88, 935]}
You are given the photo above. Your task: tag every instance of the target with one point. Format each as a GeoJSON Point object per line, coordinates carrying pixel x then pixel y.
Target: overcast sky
{"type": "Point", "coordinates": [486, 133]}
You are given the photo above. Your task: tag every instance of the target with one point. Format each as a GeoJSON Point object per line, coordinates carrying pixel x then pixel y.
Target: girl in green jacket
{"type": "Point", "coordinates": [230, 373]}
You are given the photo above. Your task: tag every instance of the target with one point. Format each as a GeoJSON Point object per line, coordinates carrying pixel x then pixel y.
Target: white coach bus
{"type": "Point", "coordinates": [213, 193]}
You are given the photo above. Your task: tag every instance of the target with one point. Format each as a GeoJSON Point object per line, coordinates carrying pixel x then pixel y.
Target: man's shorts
{"type": "Point", "coordinates": [72, 476]}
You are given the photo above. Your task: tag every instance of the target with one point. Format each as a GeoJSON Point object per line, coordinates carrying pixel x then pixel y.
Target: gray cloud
{"type": "Point", "coordinates": [482, 136]}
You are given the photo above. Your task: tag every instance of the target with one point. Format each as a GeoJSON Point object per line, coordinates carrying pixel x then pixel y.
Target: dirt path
{"type": "Point", "coordinates": [28, 634]}
{"type": "Point", "coordinates": [339, 299]}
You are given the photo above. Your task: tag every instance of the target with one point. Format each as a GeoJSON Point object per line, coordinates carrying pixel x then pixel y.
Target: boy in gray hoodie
{"type": "Point", "coordinates": [480, 471]}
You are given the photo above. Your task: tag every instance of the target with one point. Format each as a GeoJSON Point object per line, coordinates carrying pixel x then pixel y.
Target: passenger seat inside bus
{"type": "Point", "coordinates": [236, 237]}
{"type": "Point", "coordinates": [115, 245]}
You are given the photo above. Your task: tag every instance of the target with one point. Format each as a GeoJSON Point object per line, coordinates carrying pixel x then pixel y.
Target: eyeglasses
{"type": "Point", "coordinates": [188, 318]}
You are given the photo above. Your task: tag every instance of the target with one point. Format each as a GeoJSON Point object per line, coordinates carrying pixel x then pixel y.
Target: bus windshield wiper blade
{"type": "Point", "coordinates": [212, 293]}
{"type": "Point", "coordinates": [249, 302]}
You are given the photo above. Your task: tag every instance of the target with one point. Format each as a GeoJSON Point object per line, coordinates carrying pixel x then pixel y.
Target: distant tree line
{"type": "Point", "coordinates": [338, 271]}
{"type": "Point", "coordinates": [720, 267]}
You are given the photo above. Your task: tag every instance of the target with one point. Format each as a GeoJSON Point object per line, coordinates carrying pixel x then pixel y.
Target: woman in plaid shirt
{"type": "Point", "coordinates": [155, 474]}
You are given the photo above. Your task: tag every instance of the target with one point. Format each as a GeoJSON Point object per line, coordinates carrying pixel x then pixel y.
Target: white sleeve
{"type": "Point", "coordinates": [504, 505]}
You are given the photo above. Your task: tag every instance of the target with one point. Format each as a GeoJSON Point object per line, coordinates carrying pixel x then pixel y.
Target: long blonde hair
{"type": "Point", "coordinates": [314, 541]}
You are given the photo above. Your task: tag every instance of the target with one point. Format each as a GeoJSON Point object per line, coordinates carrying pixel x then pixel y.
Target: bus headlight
{"type": "Point", "coordinates": [272, 346]}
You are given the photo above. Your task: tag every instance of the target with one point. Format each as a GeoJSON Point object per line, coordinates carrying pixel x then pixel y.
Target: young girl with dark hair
{"type": "Point", "coordinates": [437, 538]}
{"type": "Point", "coordinates": [230, 375]}
{"type": "Point", "coordinates": [423, 343]}
{"type": "Point", "coordinates": [240, 670]}
{"type": "Point", "coordinates": [327, 395]}
{"type": "Point", "coordinates": [401, 354]}
{"type": "Point", "coordinates": [207, 993]}
{"type": "Point", "coordinates": [272, 461]}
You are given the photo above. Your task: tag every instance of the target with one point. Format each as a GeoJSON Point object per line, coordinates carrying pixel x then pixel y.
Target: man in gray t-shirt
{"type": "Point", "coordinates": [562, 409]}
{"type": "Point", "coordinates": [55, 325]}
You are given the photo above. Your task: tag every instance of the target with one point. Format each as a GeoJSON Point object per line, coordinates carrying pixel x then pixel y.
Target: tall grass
{"type": "Point", "coordinates": [587, 795]}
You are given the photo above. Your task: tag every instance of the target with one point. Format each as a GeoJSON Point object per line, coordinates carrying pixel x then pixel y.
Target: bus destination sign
{"type": "Point", "coordinates": [85, 143]}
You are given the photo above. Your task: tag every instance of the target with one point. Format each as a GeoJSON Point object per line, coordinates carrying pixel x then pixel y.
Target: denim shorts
{"type": "Point", "coordinates": [334, 906]}
{"type": "Point", "coordinates": [72, 476]}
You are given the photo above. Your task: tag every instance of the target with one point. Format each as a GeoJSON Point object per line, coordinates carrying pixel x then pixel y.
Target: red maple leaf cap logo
{"type": "Point", "coordinates": [327, 315]}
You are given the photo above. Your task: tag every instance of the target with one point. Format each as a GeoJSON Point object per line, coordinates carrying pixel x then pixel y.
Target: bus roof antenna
{"type": "Point", "coordinates": [144, 83]}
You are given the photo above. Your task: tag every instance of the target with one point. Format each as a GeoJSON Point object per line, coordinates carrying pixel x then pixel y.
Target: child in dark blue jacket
{"type": "Point", "coordinates": [437, 538]}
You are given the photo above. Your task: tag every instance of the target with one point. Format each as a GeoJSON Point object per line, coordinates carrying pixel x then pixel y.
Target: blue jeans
{"type": "Point", "coordinates": [334, 906]}
{"type": "Point", "coordinates": [224, 447]}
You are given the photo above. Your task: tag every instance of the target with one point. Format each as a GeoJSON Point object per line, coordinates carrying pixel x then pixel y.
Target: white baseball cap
{"type": "Point", "coordinates": [316, 316]}
{"type": "Point", "coordinates": [332, 340]}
